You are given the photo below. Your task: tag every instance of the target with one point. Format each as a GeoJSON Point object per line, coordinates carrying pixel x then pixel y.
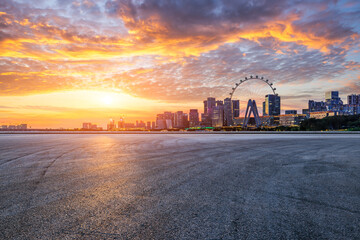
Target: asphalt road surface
{"type": "Point", "coordinates": [179, 186]}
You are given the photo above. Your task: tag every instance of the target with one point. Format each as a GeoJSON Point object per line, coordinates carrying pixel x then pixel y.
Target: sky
{"type": "Point", "coordinates": [64, 62]}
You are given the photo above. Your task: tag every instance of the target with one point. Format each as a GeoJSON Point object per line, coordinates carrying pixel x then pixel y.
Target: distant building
{"type": "Point", "coordinates": [86, 125]}
{"type": "Point", "coordinates": [4, 127]}
{"type": "Point", "coordinates": [206, 117]}
{"type": "Point", "coordinates": [333, 101]}
{"type": "Point", "coordinates": [320, 115]}
{"type": "Point", "coordinates": [228, 115]}
{"type": "Point", "coordinates": [217, 118]}
{"type": "Point", "coordinates": [353, 106]}
{"type": "Point", "coordinates": [316, 106]}
{"type": "Point", "coordinates": [353, 99]}
{"type": "Point", "coordinates": [194, 118]}
{"type": "Point", "coordinates": [305, 111]}
{"type": "Point", "coordinates": [236, 108]}
{"type": "Point", "coordinates": [209, 104]}
{"type": "Point", "coordinates": [121, 123]}
{"type": "Point", "coordinates": [168, 124]}
{"type": "Point", "coordinates": [291, 119]}
{"type": "Point", "coordinates": [22, 127]}
{"type": "Point", "coordinates": [153, 125]}
{"type": "Point", "coordinates": [205, 120]}
{"type": "Point", "coordinates": [179, 119]}
{"type": "Point", "coordinates": [290, 112]}
{"type": "Point", "coordinates": [140, 124]}
{"type": "Point", "coordinates": [228, 118]}
{"type": "Point", "coordinates": [148, 125]}
{"type": "Point", "coordinates": [129, 125]}
{"type": "Point", "coordinates": [165, 120]}
{"type": "Point", "coordinates": [186, 120]}
{"type": "Point", "coordinates": [111, 125]}
{"type": "Point", "coordinates": [271, 106]}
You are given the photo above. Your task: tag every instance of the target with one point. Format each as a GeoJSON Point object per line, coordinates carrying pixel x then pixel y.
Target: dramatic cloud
{"type": "Point", "coordinates": [176, 50]}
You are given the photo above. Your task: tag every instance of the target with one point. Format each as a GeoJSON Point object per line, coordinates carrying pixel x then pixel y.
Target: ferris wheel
{"type": "Point", "coordinates": [252, 90]}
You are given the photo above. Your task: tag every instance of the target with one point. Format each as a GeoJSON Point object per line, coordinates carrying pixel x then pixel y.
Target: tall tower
{"type": "Point", "coordinates": [194, 118]}
{"type": "Point", "coordinates": [272, 105]}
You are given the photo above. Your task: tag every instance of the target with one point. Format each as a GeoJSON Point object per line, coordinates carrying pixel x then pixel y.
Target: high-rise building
{"type": "Point", "coordinates": [331, 95]}
{"type": "Point", "coordinates": [353, 99]}
{"type": "Point", "coordinates": [168, 123]}
{"type": "Point", "coordinates": [206, 117]}
{"type": "Point", "coordinates": [194, 118]}
{"type": "Point", "coordinates": [179, 119]}
{"type": "Point", "coordinates": [228, 115]}
{"type": "Point", "coordinates": [263, 105]}
{"type": "Point", "coordinates": [236, 108]}
{"type": "Point", "coordinates": [111, 125]}
{"type": "Point", "coordinates": [165, 120]}
{"type": "Point", "coordinates": [141, 124]}
{"type": "Point", "coordinates": [121, 123]}
{"type": "Point", "coordinates": [186, 120]}
{"type": "Point", "coordinates": [153, 125]}
{"type": "Point", "coordinates": [217, 118]}
{"type": "Point", "coordinates": [170, 116]}
{"type": "Point", "coordinates": [205, 106]}
{"type": "Point", "coordinates": [316, 106]}
{"type": "Point", "coordinates": [148, 125]}
{"type": "Point", "coordinates": [160, 121]}
{"type": "Point", "coordinates": [271, 105]}
{"type": "Point", "coordinates": [210, 104]}
{"type": "Point", "coordinates": [333, 101]}
{"type": "Point", "coordinates": [86, 125]}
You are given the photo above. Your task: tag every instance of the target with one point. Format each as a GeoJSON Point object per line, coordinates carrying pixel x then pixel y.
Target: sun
{"type": "Point", "coordinates": [107, 100]}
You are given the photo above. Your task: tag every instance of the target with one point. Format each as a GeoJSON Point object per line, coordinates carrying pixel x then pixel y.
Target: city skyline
{"type": "Point", "coordinates": [217, 113]}
{"type": "Point", "coordinates": [74, 61]}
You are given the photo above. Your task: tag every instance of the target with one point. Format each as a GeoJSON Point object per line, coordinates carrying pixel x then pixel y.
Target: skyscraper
{"type": "Point", "coordinates": [121, 123]}
{"type": "Point", "coordinates": [353, 99]}
{"type": "Point", "coordinates": [228, 115]}
{"type": "Point", "coordinates": [228, 119]}
{"type": "Point", "coordinates": [194, 118]}
{"type": "Point", "coordinates": [333, 101]}
{"type": "Point", "coordinates": [111, 125]}
{"type": "Point", "coordinates": [206, 117]}
{"type": "Point", "coordinates": [272, 105]}
{"type": "Point", "coordinates": [217, 117]}
{"type": "Point", "coordinates": [211, 103]}
{"type": "Point", "coordinates": [236, 108]}
{"type": "Point", "coordinates": [179, 119]}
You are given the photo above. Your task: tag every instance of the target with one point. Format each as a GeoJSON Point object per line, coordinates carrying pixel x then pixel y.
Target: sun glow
{"type": "Point", "coordinates": [107, 100]}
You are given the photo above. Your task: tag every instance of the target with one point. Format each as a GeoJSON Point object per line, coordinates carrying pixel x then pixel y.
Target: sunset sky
{"type": "Point", "coordinates": [64, 62]}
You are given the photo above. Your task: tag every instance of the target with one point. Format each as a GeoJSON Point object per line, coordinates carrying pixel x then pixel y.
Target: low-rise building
{"type": "Point", "coordinates": [291, 119]}
{"type": "Point", "coordinates": [323, 114]}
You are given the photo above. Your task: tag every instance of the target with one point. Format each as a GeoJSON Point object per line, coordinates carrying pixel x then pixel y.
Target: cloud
{"type": "Point", "coordinates": [171, 50]}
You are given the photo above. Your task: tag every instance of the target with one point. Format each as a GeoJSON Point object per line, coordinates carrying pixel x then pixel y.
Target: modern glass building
{"type": "Point", "coordinates": [271, 105]}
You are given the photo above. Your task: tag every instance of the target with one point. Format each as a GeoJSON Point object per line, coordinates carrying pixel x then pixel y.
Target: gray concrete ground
{"type": "Point", "coordinates": [179, 186]}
